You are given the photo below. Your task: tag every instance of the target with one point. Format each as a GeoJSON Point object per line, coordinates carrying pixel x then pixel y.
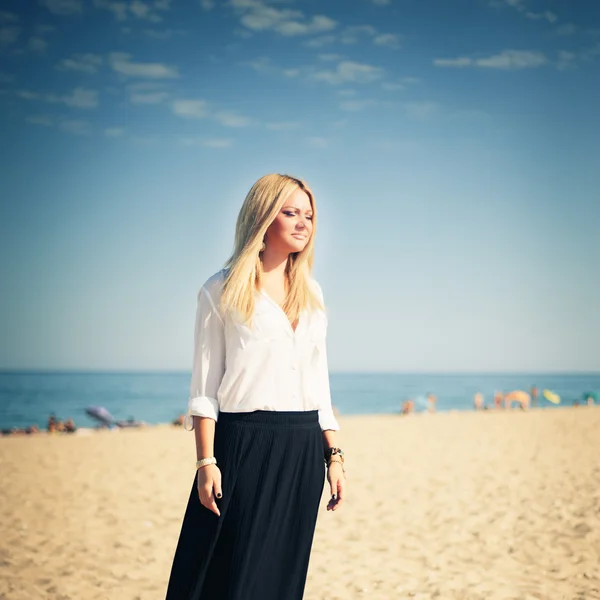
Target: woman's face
{"type": "Point", "coordinates": [292, 227]}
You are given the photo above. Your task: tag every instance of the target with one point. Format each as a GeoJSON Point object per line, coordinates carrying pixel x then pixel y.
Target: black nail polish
{"type": "Point", "coordinates": [219, 495]}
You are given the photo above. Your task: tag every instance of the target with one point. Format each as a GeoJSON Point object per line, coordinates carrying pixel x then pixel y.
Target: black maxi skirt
{"type": "Point", "coordinates": [273, 473]}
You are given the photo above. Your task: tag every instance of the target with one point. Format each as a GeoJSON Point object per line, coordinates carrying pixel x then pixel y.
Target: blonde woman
{"type": "Point", "coordinates": [261, 410]}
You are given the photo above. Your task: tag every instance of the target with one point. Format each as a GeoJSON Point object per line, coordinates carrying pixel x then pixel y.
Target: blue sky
{"type": "Point", "coordinates": [453, 148]}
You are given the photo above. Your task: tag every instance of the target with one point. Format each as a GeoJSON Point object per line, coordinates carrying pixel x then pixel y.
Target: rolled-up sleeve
{"type": "Point", "coordinates": [209, 359]}
{"type": "Point", "coordinates": [327, 419]}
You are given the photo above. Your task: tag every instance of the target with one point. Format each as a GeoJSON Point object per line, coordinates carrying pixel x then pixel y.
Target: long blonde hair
{"type": "Point", "coordinates": [261, 206]}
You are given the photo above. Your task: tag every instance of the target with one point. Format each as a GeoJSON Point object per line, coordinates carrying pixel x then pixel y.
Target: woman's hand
{"type": "Point", "coordinates": [209, 487]}
{"type": "Point", "coordinates": [337, 482]}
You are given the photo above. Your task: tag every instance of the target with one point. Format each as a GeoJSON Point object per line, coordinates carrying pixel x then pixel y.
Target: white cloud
{"type": "Point", "coordinates": [217, 143]}
{"type": "Point", "coordinates": [144, 11]}
{"type": "Point", "coordinates": [140, 9]}
{"type": "Point", "coordinates": [76, 127]}
{"type": "Point", "coordinates": [86, 63]}
{"type": "Point", "coordinates": [8, 17]}
{"type": "Point", "coordinates": [350, 72]}
{"type": "Point", "coordinates": [454, 62]}
{"type": "Point", "coordinates": [320, 41]}
{"type": "Point", "coordinates": [283, 125]}
{"type": "Point", "coordinates": [232, 119]}
{"type": "Point", "coordinates": [347, 93]}
{"type": "Point", "coordinates": [114, 132]}
{"type": "Point", "coordinates": [37, 44]}
{"type": "Point", "coordinates": [318, 142]}
{"type": "Point", "coordinates": [544, 16]}
{"type": "Point", "coordinates": [506, 60]}
{"type": "Point", "coordinates": [390, 86]}
{"type": "Point", "coordinates": [390, 40]}
{"type": "Point", "coordinates": [257, 16]}
{"type": "Point", "coordinates": [147, 92]}
{"type": "Point", "coordinates": [329, 57]}
{"type": "Point", "coordinates": [566, 29]}
{"type": "Point", "coordinates": [566, 60]}
{"type": "Point", "coordinates": [121, 63]}
{"type": "Point", "coordinates": [119, 9]}
{"type": "Point", "coordinates": [27, 95]}
{"type": "Point", "coordinates": [207, 4]}
{"type": "Point", "coordinates": [356, 105]}
{"type": "Point", "coordinates": [63, 7]}
{"type": "Point", "coordinates": [191, 109]}
{"type": "Point", "coordinates": [9, 34]}
{"type": "Point", "coordinates": [43, 120]}
{"type": "Point", "coordinates": [421, 110]}
{"type": "Point", "coordinates": [513, 59]}
{"type": "Point", "coordinates": [81, 98]}
{"type": "Point", "coordinates": [352, 34]}
{"type": "Point", "coordinates": [165, 34]}
{"type": "Point", "coordinates": [355, 34]}
{"type": "Point", "coordinates": [148, 97]}
{"type": "Point", "coordinates": [381, 2]}
{"type": "Point", "coordinates": [260, 65]}
{"type": "Point", "coordinates": [291, 73]}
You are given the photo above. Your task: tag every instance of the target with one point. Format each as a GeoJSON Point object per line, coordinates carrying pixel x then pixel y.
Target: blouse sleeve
{"type": "Point", "coordinates": [327, 419]}
{"type": "Point", "coordinates": [209, 359]}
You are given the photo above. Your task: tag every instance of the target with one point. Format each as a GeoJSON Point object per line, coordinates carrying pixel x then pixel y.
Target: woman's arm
{"type": "Point", "coordinates": [335, 473]}
{"type": "Point", "coordinates": [203, 406]}
{"type": "Point", "coordinates": [209, 477]}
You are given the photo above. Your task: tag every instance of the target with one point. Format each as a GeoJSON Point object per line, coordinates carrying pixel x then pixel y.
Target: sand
{"type": "Point", "coordinates": [466, 506]}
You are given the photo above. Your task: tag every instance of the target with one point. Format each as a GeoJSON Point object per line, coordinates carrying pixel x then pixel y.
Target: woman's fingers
{"type": "Point", "coordinates": [217, 486]}
{"type": "Point", "coordinates": [207, 495]}
{"type": "Point", "coordinates": [340, 492]}
{"type": "Point", "coordinates": [337, 492]}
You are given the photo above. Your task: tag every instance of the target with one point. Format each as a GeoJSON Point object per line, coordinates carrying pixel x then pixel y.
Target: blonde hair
{"type": "Point", "coordinates": [261, 206]}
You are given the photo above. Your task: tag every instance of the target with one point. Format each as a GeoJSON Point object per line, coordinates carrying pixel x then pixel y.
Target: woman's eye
{"type": "Point", "coordinates": [309, 218]}
{"type": "Point", "coordinates": [289, 214]}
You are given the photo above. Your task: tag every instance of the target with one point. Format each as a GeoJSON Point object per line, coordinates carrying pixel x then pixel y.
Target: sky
{"type": "Point", "coordinates": [453, 149]}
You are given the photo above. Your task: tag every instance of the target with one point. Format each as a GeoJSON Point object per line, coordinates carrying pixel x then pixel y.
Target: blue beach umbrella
{"type": "Point", "coordinates": [100, 414]}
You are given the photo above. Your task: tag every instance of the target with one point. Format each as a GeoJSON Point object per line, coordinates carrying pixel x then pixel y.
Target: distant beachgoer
{"type": "Point", "coordinates": [408, 406]}
{"type": "Point", "coordinates": [130, 422]}
{"type": "Point", "coordinates": [534, 396]}
{"type": "Point", "coordinates": [51, 423]}
{"type": "Point", "coordinates": [498, 397]}
{"type": "Point", "coordinates": [70, 426]}
{"type": "Point", "coordinates": [575, 402]}
{"type": "Point", "coordinates": [179, 421]}
{"type": "Point", "coordinates": [478, 401]}
{"type": "Point", "coordinates": [431, 402]}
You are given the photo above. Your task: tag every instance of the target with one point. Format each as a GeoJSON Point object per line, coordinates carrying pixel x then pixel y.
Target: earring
{"type": "Point", "coordinates": [262, 248]}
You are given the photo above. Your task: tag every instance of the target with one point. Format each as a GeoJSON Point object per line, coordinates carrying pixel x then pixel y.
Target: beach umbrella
{"type": "Point", "coordinates": [593, 395]}
{"type": "Point", "coordinates": [101, 415]}
{"type": "Point", "coordinates": [551, 396]}
{"type": "Point", "coordinates": [518, 396]}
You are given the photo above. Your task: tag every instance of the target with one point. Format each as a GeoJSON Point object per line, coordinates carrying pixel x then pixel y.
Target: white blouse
{"type": "Point", "coordinates": [267, 367]}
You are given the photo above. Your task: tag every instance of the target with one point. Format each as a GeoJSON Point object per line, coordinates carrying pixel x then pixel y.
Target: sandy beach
{"type": "Point", "coordinates": [469, 506]}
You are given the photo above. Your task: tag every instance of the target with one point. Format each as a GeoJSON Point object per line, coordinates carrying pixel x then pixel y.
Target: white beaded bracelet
{"type": "Point", "coordinates": [203, 462]}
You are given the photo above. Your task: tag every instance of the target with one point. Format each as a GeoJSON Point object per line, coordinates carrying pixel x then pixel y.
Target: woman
{"type": "Point", "coordinates": [261, 410]}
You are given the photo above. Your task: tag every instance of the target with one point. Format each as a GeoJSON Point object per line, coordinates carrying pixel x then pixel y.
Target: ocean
{"type": "Point", "coordinates": [28, 398]}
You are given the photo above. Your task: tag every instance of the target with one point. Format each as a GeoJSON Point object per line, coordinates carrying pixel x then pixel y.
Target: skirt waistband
{"type": "Point", "coordinates": [277, 418]}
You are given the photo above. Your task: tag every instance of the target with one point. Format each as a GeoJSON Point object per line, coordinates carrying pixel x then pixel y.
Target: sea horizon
{"type": "Point", "coordinates": [28, 397]}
